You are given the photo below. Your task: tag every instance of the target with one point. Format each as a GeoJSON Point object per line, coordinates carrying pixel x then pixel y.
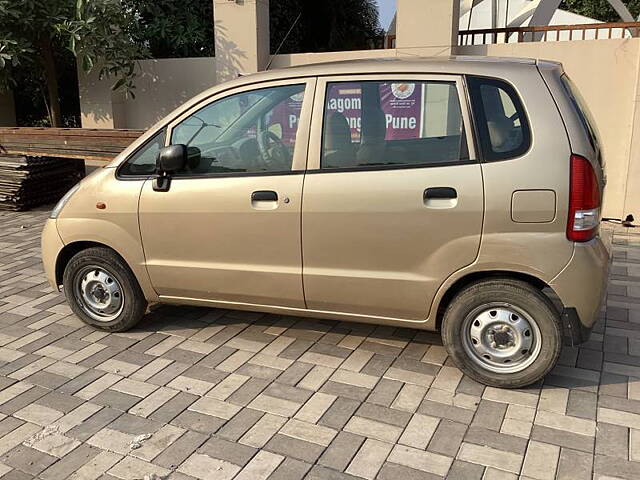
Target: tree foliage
{"type": "Point", "coordinates": [99, 33]}
{"type": "Point", "coordinates": [329, 25]}
{"type": "Point", "coordinates": [174, 29]}
{"type": "Point", "coordinates": [599, 9]}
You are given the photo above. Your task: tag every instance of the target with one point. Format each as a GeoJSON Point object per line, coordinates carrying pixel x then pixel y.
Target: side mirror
{"type": "Point", "coordinates": [170, 160]}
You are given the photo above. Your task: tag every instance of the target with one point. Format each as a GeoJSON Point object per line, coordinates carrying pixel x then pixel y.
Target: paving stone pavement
{"type": "Point", "coordinates": [205, 393]}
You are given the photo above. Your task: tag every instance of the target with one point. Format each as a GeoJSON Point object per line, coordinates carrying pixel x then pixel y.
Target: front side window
{"type": "Point", "coordinates": [249, 132]}
{"type": "Point", "coordinates": [143, 161]}
{"type": "Point", "coordinates": [403, 123]}
{"type": "Point", "coordinates": [502, 123]}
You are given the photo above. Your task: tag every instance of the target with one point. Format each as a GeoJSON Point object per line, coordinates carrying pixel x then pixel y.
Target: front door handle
{"type": "Point", "coordinates": [264, 196]}
{"type": "Point", "coordinates": [440, 193]}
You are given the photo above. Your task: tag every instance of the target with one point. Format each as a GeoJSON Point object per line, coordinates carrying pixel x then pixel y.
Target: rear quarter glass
{"type": "Point", "coordinates": [587, 122]}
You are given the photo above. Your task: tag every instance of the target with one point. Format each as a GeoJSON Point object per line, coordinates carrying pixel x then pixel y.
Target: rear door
{"type": "Point", "coordinates": [393, 196]}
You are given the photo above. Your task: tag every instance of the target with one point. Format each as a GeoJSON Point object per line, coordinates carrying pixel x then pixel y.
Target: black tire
{"type": "Point", "coordinates": [134, 303]}
{"type": "Point", "coordinates": [518, 294]}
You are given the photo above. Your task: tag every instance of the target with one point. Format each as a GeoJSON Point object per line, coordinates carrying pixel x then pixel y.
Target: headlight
{"type": "Point", "coordinates": [63, 201]}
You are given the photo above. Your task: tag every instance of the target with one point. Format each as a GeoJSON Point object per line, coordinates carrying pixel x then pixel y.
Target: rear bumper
{"type": "Point", "coordinates": [51, 244]}
{"type": "Point", "coordinates": [581, 287]}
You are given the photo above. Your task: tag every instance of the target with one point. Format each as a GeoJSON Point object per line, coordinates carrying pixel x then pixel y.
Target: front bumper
{"type": "Point", "coordinates": [51, 244]}
{"type": "Point", "coordinates": [581, 287]}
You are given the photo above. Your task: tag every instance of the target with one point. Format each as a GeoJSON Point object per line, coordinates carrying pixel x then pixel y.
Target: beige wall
{"type": "Point", "coordinates": [7, 110]}
{"type": "Point", "coordinates": [606, 72]}
{"type": "Point", "coordinates": [162, 86]}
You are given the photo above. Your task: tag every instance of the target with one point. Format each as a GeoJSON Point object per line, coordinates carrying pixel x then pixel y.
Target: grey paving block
{"type": "Point", "coordinates": [239, 424]}
{"type": "Point", "coordinates": [339, 413]}
{"type": "Point", "coordinates": [447, 438]}
{"type": "Point", "coordinates": [27, 460]}
{"type": "Point", "coordinates": [383, 414]}
{"type": "Point", "coordinates": [70, 463]}
{"type": "Point", "coordinates": [616, 467]}
{"type": "Point", "coordinates": [450, 412]}
{"type": "Point", "coordinates": [198, 422]}
{"type": "Point", "coordinates": [290, 469]}
{"type": "Point", "coordinates": [341, 451]}
{"type": "Point", "coordinates": [489, 415]}
{"type": "Point", "coordinates": [393, 471]}
{"type": "Point", "coordinates": [461, 470]}
{"type": "Point", "coordinates": [563, 438]}
{"type": "Point", "coordinates": [292, 447]}
{"type": "Point", "coordinates": [499, 441]}
{"type": "Point", "coordinates": [231, 452]}
{"type": "Point", "coordinates": [612, 440]}
{"type": "Point", "coordinates": [582, 404]}
{"type": "Point", "coordinates": [385, 392]}
{"type": "Point", "coordinates": [179, 450]}
{"type": "Point", "coordinates": [93, 424]}
{"type": "Point", "coordinates": [173, 407]}
{"type": "Point", "coordinates": [574, 465]}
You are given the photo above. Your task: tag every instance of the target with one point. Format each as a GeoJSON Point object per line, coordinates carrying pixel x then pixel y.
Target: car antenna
{"type": "Point", "coordinates": [284, 40]}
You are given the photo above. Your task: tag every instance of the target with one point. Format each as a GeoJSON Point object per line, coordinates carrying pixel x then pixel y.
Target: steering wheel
{"type": "Point", "coordinates": [275, 155]}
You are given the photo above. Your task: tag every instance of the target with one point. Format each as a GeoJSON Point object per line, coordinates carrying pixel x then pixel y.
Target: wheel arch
{"type": "Point", "coordinates": [472, 277]}
{"type": "Point", "coordinates": [69, 250]}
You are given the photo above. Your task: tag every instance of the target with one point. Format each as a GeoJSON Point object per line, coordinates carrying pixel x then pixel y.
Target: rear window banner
{"type": "Point", "coordinates": [402, 105]}
{"type": "Point", "coordinates": [400, 102]}
{"type": "Point", "coordinates": [284, 118]}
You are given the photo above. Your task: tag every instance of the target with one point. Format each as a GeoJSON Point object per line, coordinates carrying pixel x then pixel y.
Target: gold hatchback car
{"type": "Point", "coordinates": [457, 194]}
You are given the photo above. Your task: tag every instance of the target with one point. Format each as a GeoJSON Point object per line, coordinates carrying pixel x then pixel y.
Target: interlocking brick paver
{"type": "Point", "coordinates": [207, 393]}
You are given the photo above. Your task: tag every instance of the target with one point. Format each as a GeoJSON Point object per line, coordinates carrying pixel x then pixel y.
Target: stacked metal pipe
{"type": "Point", "coordinates": [27, 182]}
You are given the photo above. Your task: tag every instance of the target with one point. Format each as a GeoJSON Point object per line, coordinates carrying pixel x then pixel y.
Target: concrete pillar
{"type": "Point", "coordinates": [241, 30]}
{"type": "Point", "coordinates": [7, 110]}
{"type": "Point", "coordinates": [427, 28]}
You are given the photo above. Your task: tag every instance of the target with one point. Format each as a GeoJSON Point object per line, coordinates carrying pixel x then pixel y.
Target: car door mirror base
{"type": "Point", "coordinates": [161, 183]}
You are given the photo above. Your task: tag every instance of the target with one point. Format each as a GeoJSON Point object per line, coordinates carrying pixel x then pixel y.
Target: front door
{"type": "Point", "coordinates": [228, 229]}
{"type": "Point", "coordinates": [393, 198]}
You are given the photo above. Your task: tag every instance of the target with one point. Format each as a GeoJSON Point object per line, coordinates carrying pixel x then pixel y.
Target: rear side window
{"type": "Point", "coordinates": [391, 124]}
{"type": "Point", "coordinates": [581, 109]}
{"type": "Point", "coordinates": [503, 128]}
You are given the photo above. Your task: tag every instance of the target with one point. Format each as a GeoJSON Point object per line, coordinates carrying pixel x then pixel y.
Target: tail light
{"type": "Point", "coordinates": [584, 201]}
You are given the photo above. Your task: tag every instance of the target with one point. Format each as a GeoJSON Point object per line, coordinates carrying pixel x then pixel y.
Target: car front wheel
{"type": "Point", "coordinates": [502, 332]}
{"type": "Point", "coordinates": [102, 291]}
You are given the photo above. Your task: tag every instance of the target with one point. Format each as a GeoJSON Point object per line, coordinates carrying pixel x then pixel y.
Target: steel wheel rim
{"type": "Point", "coordinates": [99, 293]}
{"type": "Point", "coordinates": [501, 338]}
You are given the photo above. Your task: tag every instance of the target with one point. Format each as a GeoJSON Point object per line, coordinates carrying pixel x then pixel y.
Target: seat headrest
{"type": "Point", "coordinates": [337, 132]}
{"type": "Point", "coordinates": [374, 126]}
{"type": "Point", "coordinates": [499, 130]}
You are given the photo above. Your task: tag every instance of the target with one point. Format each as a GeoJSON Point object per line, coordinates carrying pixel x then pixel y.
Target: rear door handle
{"type": "Point", "coordinates": [440, 193]}
{"type": "Point", "coordinates": [264, 196]}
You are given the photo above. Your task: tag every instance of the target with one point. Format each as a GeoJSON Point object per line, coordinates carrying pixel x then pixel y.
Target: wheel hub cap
{"type": "Point", "coordinates": [501, 338]}
{"type": "Point", "coordinates": [99, 293]}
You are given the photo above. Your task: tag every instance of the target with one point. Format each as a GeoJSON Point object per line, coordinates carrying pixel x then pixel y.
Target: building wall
{"type": "Point", "coordinates": [606, 72]}
{"type": "Point", "coordinates": [162, 86]}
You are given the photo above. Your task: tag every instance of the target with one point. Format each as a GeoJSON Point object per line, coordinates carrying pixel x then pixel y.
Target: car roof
{"type": "Point", "coordinates": [406, 64]}
{"type": "Point", "coordinates": [469, 65]}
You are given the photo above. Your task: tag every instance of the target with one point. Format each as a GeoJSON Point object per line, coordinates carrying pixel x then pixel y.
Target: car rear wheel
{"type": "Point", "coordinates": [502, 332]}
{"type": "Point", "coordinates": [102, 291]}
